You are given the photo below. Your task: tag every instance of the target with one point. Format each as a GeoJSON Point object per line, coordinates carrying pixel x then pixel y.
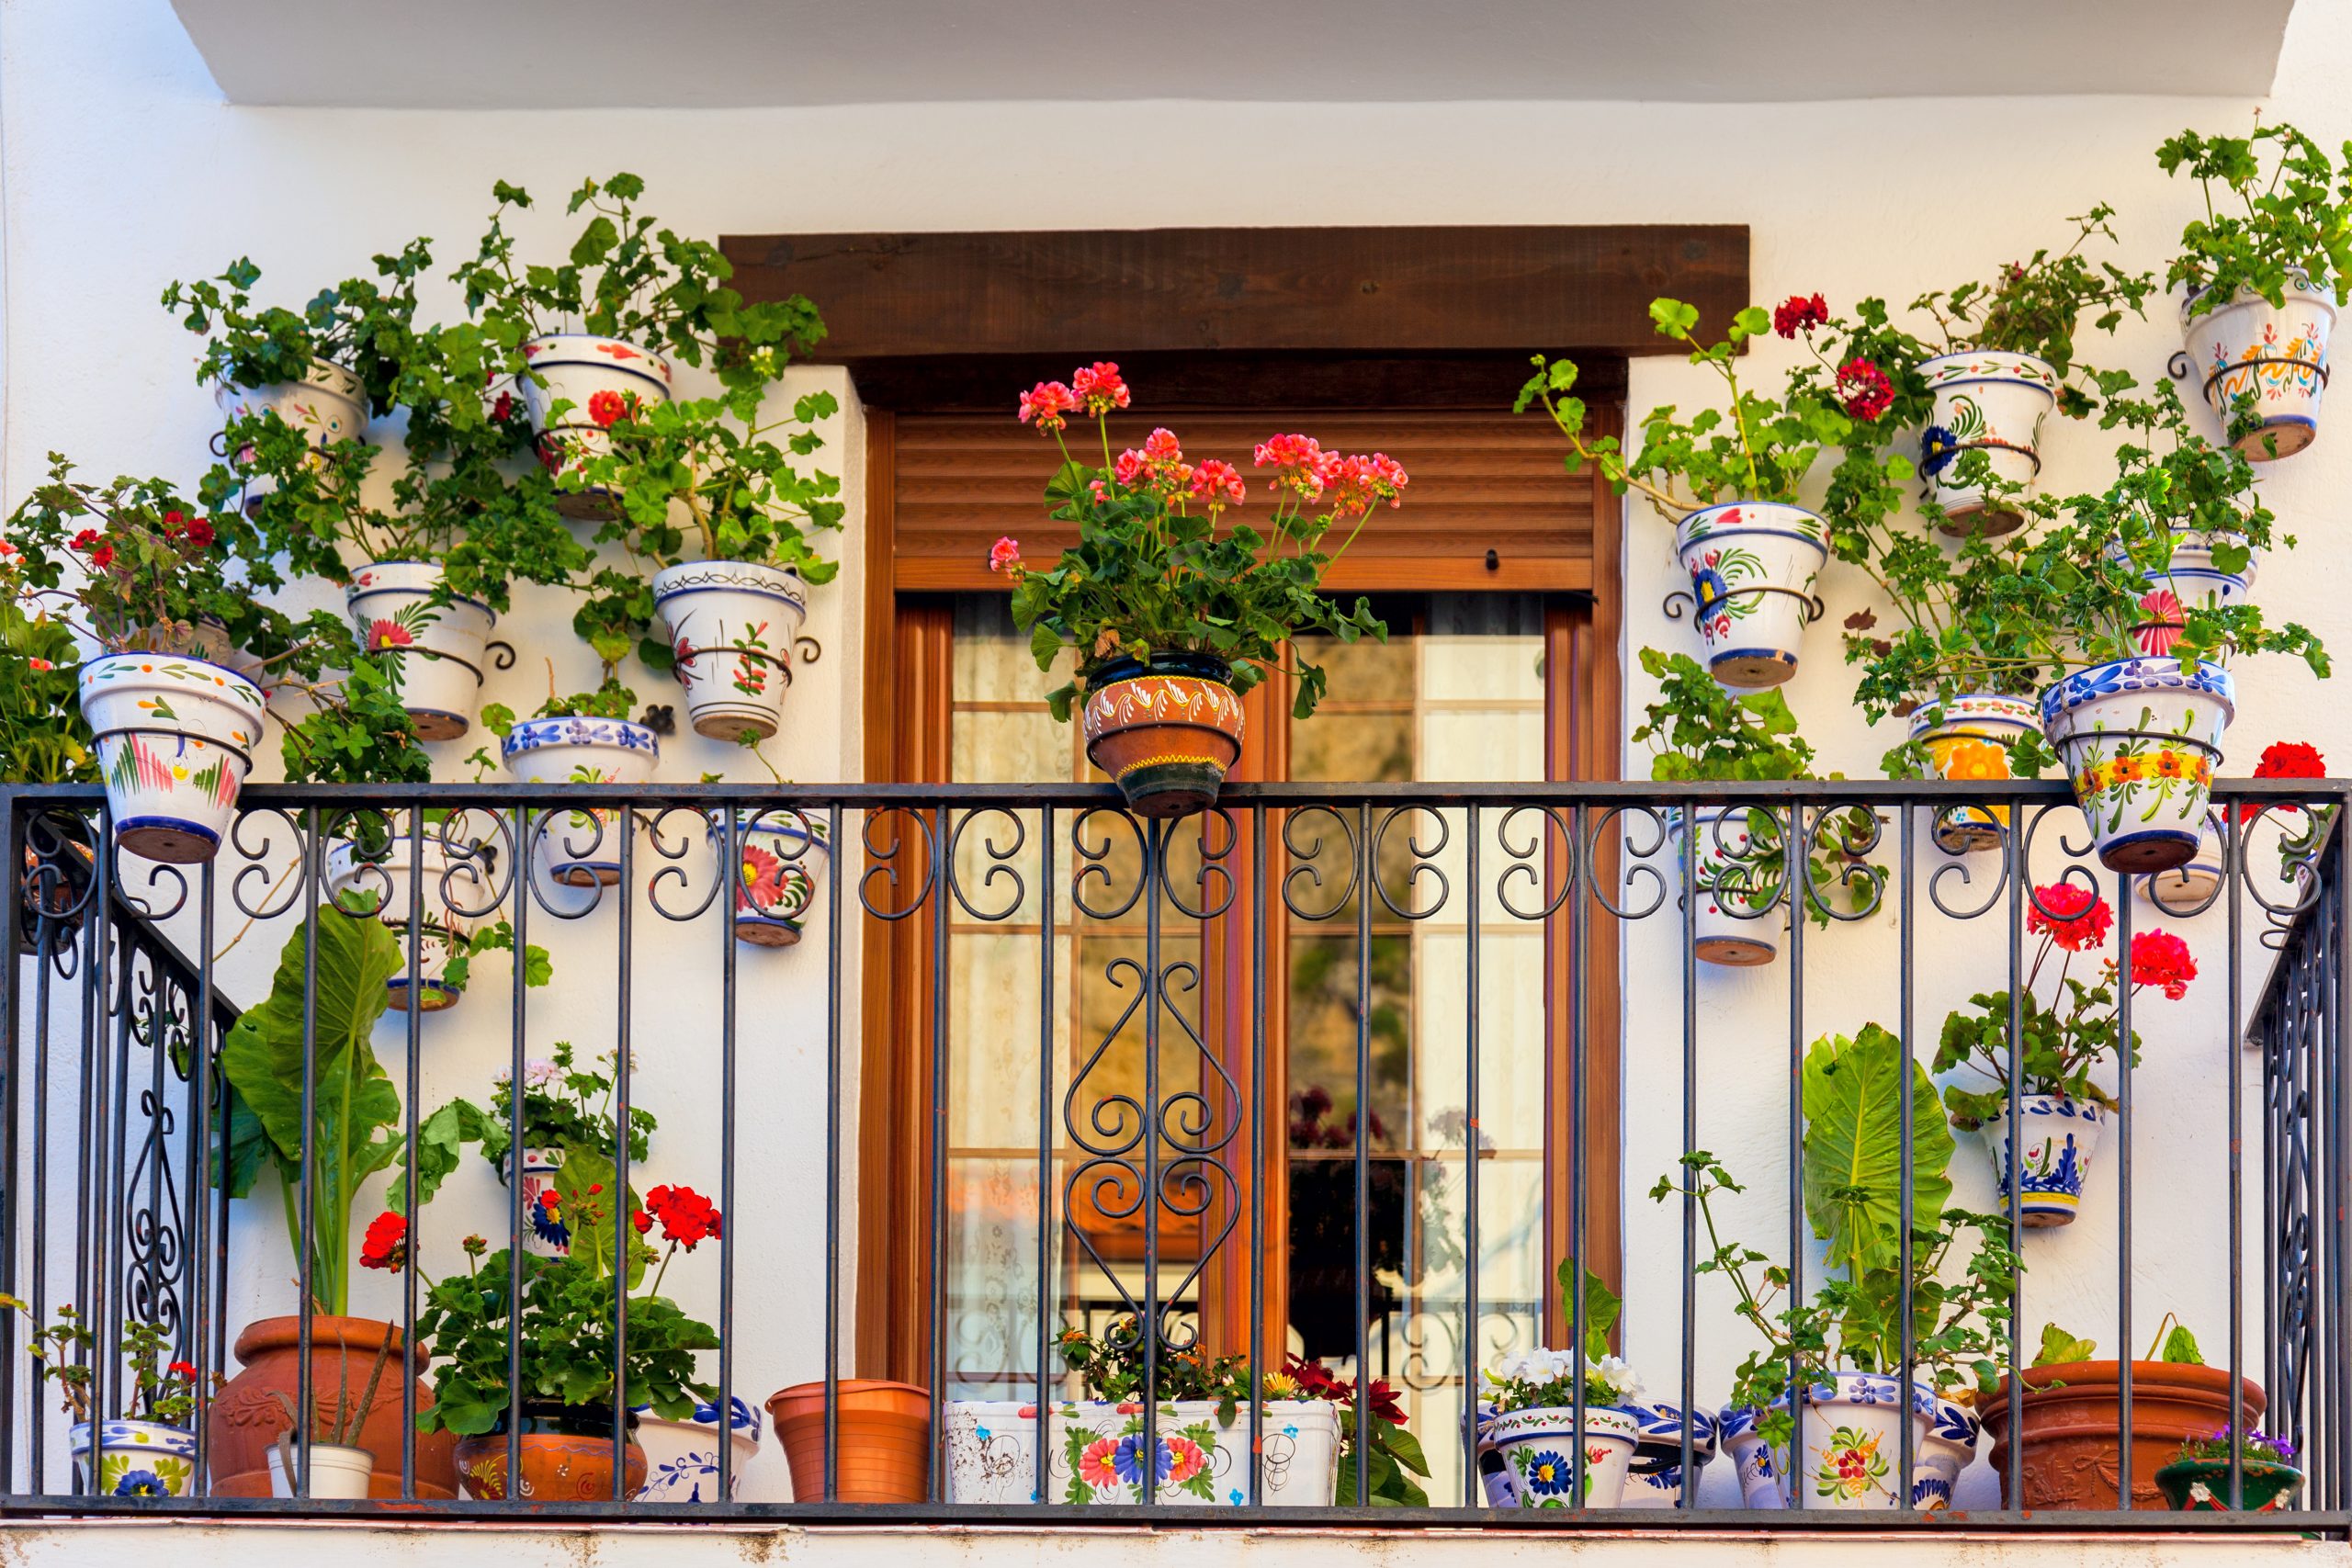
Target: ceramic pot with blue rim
{"type": "Point", "coordinates": [136, 1459]}
{"type": "Point", "coordinates": [545, 1233]}
{"type": "Point", "coordinates": [603, 380]}
{"type": "Point", "coordinates": [682, 1457]}
{"type": "Point", "coordinates": [1533, 1459]}
{"type": "Point", "coordinates": [1967, 740]}
{"type": "Point", "coordinates": [2262, 366]}
{"type": "Point", "coordinates": [1950, 1447]}
{"type": "Point", "coordinates": [374, 879]}
{"type": "Point", "coordinates": [1095, 1453]}
{"type": "Point", "coordinates": [2184, 890]}
{"type": "Point", "coordinates": [1738, 920]}
{"type": "Point", "coordinates": [1753, 1459]}
{"type": "Point", "coordinates": [403, 607]}
{"type": "Point", "coordinates": [1654, 1479]}
{"type": "Point", "coordinates": [579, 848]}
{"type": "Point", "coordinates": [1849, 1443]}
{"type": "Point", "coordinates": [175, 740]}
{"type": "Point", "coordinates": [2058, 1137]}
{"type": "Point", "coordinates": [731, 628]}
{"type": "Point", "coordinates": [1990, 401]}
{"type": "Point", "coordinates": [784, 854]}
{"type": "Point", "coordinates": [2141, 739]}
{"type": "Point", "coordinates": [329, 404]}
{"type": "Point", "coordinates": [1752, 566]}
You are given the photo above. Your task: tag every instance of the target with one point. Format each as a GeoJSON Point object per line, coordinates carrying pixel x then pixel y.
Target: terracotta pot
{"type": "Point", "coordinates": [246, 1417]}
{"type": "Point", "coordinates": [1166, 733]}
{"type": "Point", "coordinates": [566, 1454]}
{"type": "Point", "coordinates": [2073, 1432]}
{"type": "Point", "coordinates": [885, 1439]}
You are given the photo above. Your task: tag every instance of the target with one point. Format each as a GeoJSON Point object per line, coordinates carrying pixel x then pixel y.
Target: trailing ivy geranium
{"type": "Point", "coordinates": [363, 325]}
{"type": "Point", "coordinates": [1156, 570]}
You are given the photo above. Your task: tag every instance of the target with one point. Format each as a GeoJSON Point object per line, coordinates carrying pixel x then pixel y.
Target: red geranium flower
{"type": "Point", "coordinates": [85, 538]}
{"type": "Point", "coordinates": [1299, 463]}
{"type": "Point", "coordinates": [2078, 920]}
{"type": "Point", "coordinates": [686, 1216]}
{"type": "Point", "coordinates": [172, 521]}
{"type": "Point", "coordinates": [503, 409]}
{"type": "Point", "coordinates": [1798, 314]}
{"type": "Point", "coordinates": [1005, 552]}
{"type": "Point", "coordinates": [1216, 482]}
{"type": "Point", "coordinates": [1047, 402]}
{"type": "Point", "coordinates": [200, 535]}
{"type": "Point", "coordinates": [606, 406]}
{"type": "Point", "coordinates": [1130, 467]}
{"type": "Point", "coordinates": [183, 1370]}
{"type": "Point", "coordinates": [386, 1244]}
{"type": "Point", "coordinates": [2285, 759]}
{"type": "Point", "coordinates": [1099, 387]}
{"type": "Point", "coordinates": [103, 555]}
{"type": "Point", "coordinates": [1863, 391]}
{"type": "Point", "coordinates": [642, 1220]}
{"type": "Point", "coordinates": [2161, 959]}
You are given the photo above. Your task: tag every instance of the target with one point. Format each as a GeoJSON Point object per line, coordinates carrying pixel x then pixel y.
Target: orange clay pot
{"type": "Point", "coordinates": [2073, 1432]}
{"type": "Point", "coordinates": [246, 1417]}
{"type": "Point", "coordinates": [1166, 734]}
{"type": "Point", "coordinates": [566, 1454]}
{"type": "Point", "coordinates": [885, 1439]}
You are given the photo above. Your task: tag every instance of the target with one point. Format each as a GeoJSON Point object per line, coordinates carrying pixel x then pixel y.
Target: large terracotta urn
{"type": "Point", "coordinates": [246, 1416]}
{"type": "Point", "coordinates": [2072, 1421]}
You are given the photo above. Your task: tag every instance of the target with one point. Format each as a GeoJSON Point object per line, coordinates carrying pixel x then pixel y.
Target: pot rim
{"type": "Point", "coordinates": [2090, 1377]}
{"type": "Point", "coordinates": [284, 1333]}
{"type": "Point", "coordinates": [1196, 664]}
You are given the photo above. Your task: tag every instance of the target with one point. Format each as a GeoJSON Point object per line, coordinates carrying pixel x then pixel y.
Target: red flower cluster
{"type": "Point", "coordinates": [183, 1370]}
{"type": "Point", "coordinates": [1049, 403]}
{"type": "Point", "coordinates": [1797, 313]}
{"type": "Point", "coordinates": [1216, 481]}
{"type": "Point", "coordinates": [1359, 484]}
{"type": "Point", "coordinates": [1098, 387]}
{"type": "Point", "coordinates": [101, 555]}
{"type": "Point", "coordinates": [2161, 959]}
{"type": "Point", "coordinates": [503, 409]}
{"type": "Point", "coordinates": [686, 1216]}
{"type": "Point", "coordinates": [1316, 1381]}
{"type": "Point", "coordinates": [386, 1244]}
{"type": "Point", "coordinates": [1005, 552]}
{"type": "Point", "coordinates": [2080, 920]}
{"type": "Point", "coordinates": [1299, 463]}
{"type": "Point", "coordinates": [1863, 391]}
{"type": "Point", "coordinates": [1159, 465]}
{"type": "Point", "coordinates": [2285, 759]}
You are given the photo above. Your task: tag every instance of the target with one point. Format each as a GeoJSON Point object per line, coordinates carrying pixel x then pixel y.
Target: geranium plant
{"type": "Point", "coordinates": [567, 1106]}
{"type": "Point", "coordinates": [363, 325]}
{"type": "Point", "coordinates": [2297, 846]}
{"type": "Point", "coordinates": [1541, 1379]}
{"type": "Point", "coordinates": [162, 1389]}
{"type": "Point", "coordinates": [43, 738]}
{"type": "Point", "coordinates": [2276, 206]}
{"type": "Point", "coordinates": [1158, 569]}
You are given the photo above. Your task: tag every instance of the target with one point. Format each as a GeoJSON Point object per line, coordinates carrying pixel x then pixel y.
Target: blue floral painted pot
{"type": "Point", "coordinates": [1989, 401]}
{"type": "Point", "coordinates": [1752, 1458]}
{"type": "Point", "coordinates": [2141, 739]}
{"type": "Point", "coordinates": [545, 1234]}
{"type": "Point", "coordinates": [580, 848]}
{"type": "Point", "coordinates": [1949, 1448]}
{"type": "Point", "coordinates": [2058, 1138]}
{"type": "Point", "coordinates": [682, 1457]}
{"type": "Point", "coordinates": [1752, 565]}
{"type": "Point", "coordinates": [2264, 366]}
{"type": "Point", "coordinates": [137, 1459]}
{"type": "Point", "coordinates": [1537, 1461]}
{"type": "Point", "coordinates": [1654, 1479]}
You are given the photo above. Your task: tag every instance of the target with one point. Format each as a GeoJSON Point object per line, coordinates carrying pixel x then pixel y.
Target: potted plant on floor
{"type": "Point", "coordinates": [146, 1453]}
{"type": "Point", "coordinates": [586, 737]}
{"type": "Point", "coordinates": [2061, 1112]}
{"type": "Point", "coordinates": [2198, 1480]}
{"type": "Point", "coordinates": [1527, 1416]}
{"type": "Point", "coordinates": [336, 1465]}
{"type": "Point", "coordinates": [2264, 271]}
{"type": "Point", "coordinates": [1174, 612]}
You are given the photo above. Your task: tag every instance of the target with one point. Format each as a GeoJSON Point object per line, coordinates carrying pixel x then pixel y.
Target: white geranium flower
{"type": "Point", "coordinates": [1619, 1374]}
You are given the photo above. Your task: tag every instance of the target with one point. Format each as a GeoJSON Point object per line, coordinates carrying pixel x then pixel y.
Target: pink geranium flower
{"type": "Point", "coordinates": [1049, 403]}
{"type": "Point", "coordinates": [2163, 624]}
{"type": "Point", "coordinates": [1099, 387]}
{"type": "Point", "coordinates": [1005, 552]}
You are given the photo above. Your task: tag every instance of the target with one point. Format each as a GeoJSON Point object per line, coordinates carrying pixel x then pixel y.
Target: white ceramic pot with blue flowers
{"type": "Point", "coordinates": [604, 381]}
{"type": "Point", "coordinates": [682, 1457]}
{"type": "Point", "coordinates": [731, 628]}
{"type": "Point", "coordinates": [1950, 1447]}
{"type": "Point", "coordinates": [784, 854]}
{"type": "Point", "coordinates": [2058, 1138]}
{"type": "Point", "coordinates": [1752, 1458]}
{"type": "Point", "coordinates": [175, 738]}
{"type": "Point", "coordinates": [1752, 566]}
{"type": "Point", "coordinates": [2263, 366]}
{"type": "Point", "coordinates": [544, 1232]}
{"type": "Point", "coordinates": [2141, 739]}
{"type": "Point", "coordinates": [402, 607]}
{"type": "Point", "coordinates": [1094, 1453]}
{"type": "Point", "coordinates": [136, 1459]}
{"type": "Point", "coordinates": [1542, 1465]}
{"type": "Point", "coordinates": [1735, 921]}
{"type": "Point", "coordinates": [580, 847]}
{"type": "Point", "coordinates": [1654, 1479]}
{"type": "Point", "coordinates": [1993, 403]}
{"type": "Point", "coordinates": [1967, 739]}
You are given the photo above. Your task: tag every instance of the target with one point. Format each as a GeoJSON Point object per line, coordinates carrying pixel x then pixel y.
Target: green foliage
{"type": "Point", "coordinates": [363, 325]}
{"type": "Point", "coordinates": [1603, 1306]}
{"type": "Point", "coordinates": [2175, 1344]}
{"type": "Point", "coordinates": [43, 738]}
{"type": "Point", "coordinates": [359, 733]}
{"type": "Point", "coordinates": [1700, 732]}
{"type": "Point", "coordinates": [1852, 1154]}
{"type": "Point", "coordinates": [567, 1105]}
{"type": "Point", "coordinates": [2059, 1347]}
{"type": "Point", "coordinates": [2037, 306]}
{"type": "Point", "coordinates": [2276, 205]}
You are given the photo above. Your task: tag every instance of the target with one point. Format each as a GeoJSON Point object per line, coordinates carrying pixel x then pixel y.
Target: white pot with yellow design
{"type": "Point", "coordinates": [1967, 740]}
{"type": "Point", "coordinates": [174, 736]}
{"type": "Point", "coordinates": [1993, 402]}
{"type": "Point", "coordinates": [2262, 366]}
{"type": "Point", "coordinates": [2141, 739]}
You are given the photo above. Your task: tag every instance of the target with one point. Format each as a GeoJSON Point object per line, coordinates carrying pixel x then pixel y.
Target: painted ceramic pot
{"type": "Point", "coordinates": [1851, 1439]}
{"type": "Point", "coordinates": [2263, 366]}
{"type": "Point", "coordinates": [731, 625]}
{"type": "Point", "coordinates": [2196, 581]}
{"type": "Point", "coordinates": [2184, 890]}
{"type": "Point", "coordinates": [2141, 739]}
{"type": "Point", "coordinates": [1544, 1466]}
{"type": "Point", "coordinates": [1752, 1458]}
{"type": "Point", "coordinates": [1654, 1479]}
{"type": "Point", "coordinates": [2071, 1425]}
{"type": "Point", "coordinates": [1967, 740]}
{"type": "Point", "coordinates": [1094, 1453]}
{"type": "Point", "coordinates": [1752, 565]}
{"type": "Point", "coordinates": [2202, 1485]}
{"type": "Point", "coordinates": [1992, 402]}
{"type": "Point", "coordinates": [566, 1454]}
{"type": "Point", "coordinates": [2059, 1138]}
{"type": "Point", "coordinates": [784, 854]}
{"type": "Point", "coordinates": [329, 404]}
{"type": "Point", "coordinates": [580, 848]}
{"type": "Point", "coordinates": [1736, 924]}
{"type": "Point", "coordinates": [456, 891]}
{"type": "Point", "coordinates": [334, 1471]}
{"type": "Point", "coordinates": [440, 645]}
{"type": "Point", "coordinates": [682, 1457]}
{"type": "Point", "coordinates": [601, 377]}
{"type": "Point", "coordinates": [176, 737]}
{"type": "Point", "coordinates": [136, 1459]}
{"type": "Point", "coordinates": [1950, 1447]}
{"type": "Point", "coordinates": [1167, 733]}
{"type": "Point", "coordinates": [544, 1233]}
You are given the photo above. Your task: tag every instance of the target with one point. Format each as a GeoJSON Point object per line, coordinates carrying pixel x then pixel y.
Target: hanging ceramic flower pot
{"type": "Point", "coordinates": [136, 1459]}
{"type": "Point", "coordinates": [731, 628]}
{"type": "Point", "coordinates": [2141, 739]}
{"type": "Point", "coordinates": [1752, 565]}
{"type": "Point", "coordinates": [544, 1232]}
{"type": "Point", "coordinates": [1967, 739]}
{"type": "Point", "coordinates": [440, 645]}
{"type": "Point", "coordinates": [2275, 355]}
{"type": "Point", "coordinates": [1166, 734]}
{"type": "Point", "coordinates": [2183, 890]}
{"type": "Point", "coordinates": [2059, 1136]}
{"type": "Point", "coordinates": [364, 879]}
{"type": "Point", "coordinates": [580, 847]}
{"type": "Point", "coordinates": [1993, 402]}
{"type": "Point", "coordinates": [1094, 1453]}
{"type": "Point", "coordinates": [602, 378]}
{"type": "Point", "coordinates": [1736, 924]}
{"type": "Point", "coordinates": [682, 1457]}
{"type": "Point", "coordinates": [1654, 1479]}
{"type": "Point", "coordinates": [782, 866]}
{"type": "Point", "coordinates": [174, 738]}
{"type": "Point", "coordinates": [1950, 1447]}
{"type": "Point", "coordinates": [1542, 1465]}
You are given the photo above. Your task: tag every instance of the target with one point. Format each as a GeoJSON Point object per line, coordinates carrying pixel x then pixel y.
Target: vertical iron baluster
{"type": "Point", "coordinates": [2014, 868]}
{"type": "Point", "coordinates": [1688, 820]}
{"type": "Point", "coordinates": [99, 943]}
{"type": "Point", "coordinates": [114, 1181]}
{"type": "Point", "coordinates": [44, 948]}
{"type": "Point", "coordinates": [1796, 876]}
{"type": "Point", "coordinates": [305, 1400]}
{"type": "Point", "coordinates": [1578, 909]}
{"type": "Point", "coordinates": [2125, 1497]}
{"type": "Point", "coordinates": [1906, 1390]}
{"type": "Point", "coordinates": [411, 1101]}
{"type": "Point", "coordinates": [1366, 872]}
{"type": "Point", "coordinates": [2233, 1063]}
{"type": "Point", "coordinates": [833, 940]}
{"type": "Point", "coordinates": [1155, 882]}
{"type": "Point", "coordinates": [1257, 1091]}
{"type": "Point", "coordinates": [1471, 1485]}
{"type": "Point", "coordinates": [526, 850]}
{"type": "Point", "coordinates": [23, 896]}
{"type": "Point", "coordinates": [730, 888]}
{"type": "Point", "coordinates": [942, 910]}
{"type": "Point", "coordinates": [623, 1233]}
{"type": "Point", "coordinates": [1046, 1311]}
{"type": "Point", "coordinates": [197, 1301]}
{"type": "Point", "coordinates": [2331, 1174]}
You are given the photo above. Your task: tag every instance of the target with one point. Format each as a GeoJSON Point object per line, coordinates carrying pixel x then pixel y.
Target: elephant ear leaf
{"type": "Point", "coordinates": [1853, 1150]}
{"type": "Point", "coordinates": [262, 1057]}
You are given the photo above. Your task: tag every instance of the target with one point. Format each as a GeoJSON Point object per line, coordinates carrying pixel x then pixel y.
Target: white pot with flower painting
{"type": "Point", "coordinates": [2263, 366]}
{"type": "Point", "coordinates": [175, 742]}
{"type": "Point", "coordinates": [1849, 1446]}
{"type": "Point", "coordinates": [1094, 1453]}
{"type": "Point", "coordinates": [374, 879]}
{"type": "Point", "coordinates": [580, 847]}
{"type": "Point", "coordinates": [2141, 739]}
{"type": "Point", "coordinates": [1989, 401]}
{"type": "Point", "coordinates": [731, 628]}
{"type": "Point", "coordinates": [1752, 566]}
{"type": "Point", "coordinates": [1967, 739]}
{"type": "Point", "coordinates": [682, 1457]}
{"type": "Point", "coordinates": [1531, 1452]}
{"type": "Point", "coordinates": [782, 857]}
{"type": "Point", "coordinates": [602, 379]}
{"type": "Point", "coordinates": [1735, 921]}
{"type": "Point", "coordinates": [402, 607]}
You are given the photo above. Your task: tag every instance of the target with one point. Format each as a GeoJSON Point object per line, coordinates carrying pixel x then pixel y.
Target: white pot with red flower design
{"type": "Point", "coordinates": [1736, 921]}
{"type": "Point", "coordinates": [579, 848]}
{"type": "Point", "coordinates": [175, 740]}
{"type": "Point", "coordinates": [1752, 566]}
{"type": "Point", "coordinates": [1993, 403]}
{"type": "Point", "coordinates": [1094, 1453]}
{"type": "Point", "coordinates": [731, 626]}
{"type": "Point", "coordinates": [404, 607]}
{"type": "Point", "coordinates": [2141, 739]}
{"type": "Point", "coordinates": [1850, 1436]}
{"type": "Point", "coordinates": [2263, 366]}
{"type": "Point", "coordinates": [330, 404]}
{"type": "Point", "coordinates": [601, 379]}
{"type": "Point", "coordinates": [781, 859]}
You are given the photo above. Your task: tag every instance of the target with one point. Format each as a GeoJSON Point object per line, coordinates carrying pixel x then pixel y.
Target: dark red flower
{"type": "Point", "coordinates": [2162, 958]}
{"type": "Point", "coordinates": [386, 1244]}
{"type": "Point", "coordinates": [642, 1221]}
{"type": "Point", "coordinates": [103, 555]}
{"type": "Point", "coordinates": [200, 535]}
{"type": "Point", "coordinates": [2078, 920]}
{"type": "Point", "coordinates": [172, 521]}
{"type": "Point", "coordinates": [1863, 391]}
{"type": "Point", "coordinates": [85, 538]}
{"type": "Point", "coordinates": [1314, 1379]}
{"type": "Point", "coordinates": [2285, 759]}
{"type": "Point", "coordinates": [1384, 1404]}
{"type": "Point", "coordinates": [1797, 313]}
{"type": "Point", "coordinates": [503, 409]}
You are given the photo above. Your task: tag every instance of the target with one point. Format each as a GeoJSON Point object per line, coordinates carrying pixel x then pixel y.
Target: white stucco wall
{"type": "Point", "coordinates": [124, 170]}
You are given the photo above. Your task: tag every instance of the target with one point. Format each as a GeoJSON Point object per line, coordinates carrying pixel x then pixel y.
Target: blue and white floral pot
{"type": "Point", "coordinates": [2059, 1138]}
{"type": "Point", "coordinates": [1736, 922]}
{"type": "Point", "coordinates": [1654, 1479]}
{"type": "Point", "coordinates": [174, 738]}
{"type": "Point", "coordinates": [1531, 1459]}
{"type": "Point", "coordinates": [546, 1233]}
{"type": "Point", "coordinates": [1967, 740]}
{"type": "Point", "coordinates": [1094, 1453]}
{"type": "Point", "coordinates": [2191, 575]}
{"type": "Point", "coordinates": [1752, 565]}
{"type": "Point", "coordinates": [731, 625]}
{"type": "Point", "coordinates": [1949, 1448]}
{"type": "Point", "coordinates": [2273, 357]}
{"type": "Point", "coordinates": [137, 1459]}
{"type": "Point", "coordinates": [1849, 1443]}
{"type": "Point", "coordinates": [601, 377]}
{"type": "Point", "coordinates": [2141, 739]}
{"type": "Point", "coordinates": [1753, 1461]}
{"type": "Point", "coordinates": [783, 856]}
{"type": "Point", "coordinates": [1989, 402]}
{"type": "Point", "coordinates": [580, 848]}
{"type": "Point", "coordinates": [682, 1457]}
{"type": "Point", "coordinates": [440, 645]}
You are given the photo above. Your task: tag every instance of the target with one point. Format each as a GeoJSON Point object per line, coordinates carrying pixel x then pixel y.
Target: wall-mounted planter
{"type": "Point", "coordinates": [174, 738]}
{"type": "Point", "coordinates": [440, 645]}
{"type": "Point", "coordinates": [1654, 1479]}
{"type": "Point", "coordinates": [545, 1234]}
{"type": "Point", "coordinates": [2274, 354]}
{"type": "Point", "coordinates": [2141, 739]}
{"type": "Point", "coordinates": [782, 865]}
{"type": "Point", "coordinates": [599, 377]}
{"type": "Point", "coordinates": [682, 1457]}
{"type": "Point", "coordinates": [136, 1459]}
{"type": "Point", "coordinates": [1734, 923]}
{"type": "Point", "coordinates": [580, 848]}
{"type": "Point", "coordinates": [1094, 1453]}
{"type": "Point", "coordinates": [2183, 890]}
{"type": "Point", "coordinates": [731, 626]}
{"type": "Point", "coordinates": [1752, 565]}
{"type": "Point", "coordinates": [1991, 403]}
{"type": "Point", "coordinates": [2060, 1137]}
{"type": "Point", "coordinates": [367, 880]}
{"type": "Point", "coordinates": [1166, 734]}
{"type": "Point", "coordinates": [1537, 1462]}
{"type": "Point", "coordinates": [1967, 739]}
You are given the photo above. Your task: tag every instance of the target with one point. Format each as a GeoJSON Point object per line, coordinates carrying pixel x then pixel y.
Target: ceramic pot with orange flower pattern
{"type": "Point", "coordinates": [174, 738]}
{"type": "Point", "coordinates": [2263, 366]}
{"type": "Point", "coordinates": [602, 379]}
{"type": "Point", "coordinates": [401, 607]}
{"type": "Point", "coordinates": [1967, 739]}
{"type": "Point", "coordinates": [2141, 739]}
{"type": "Point", "coordinates": [1095, 1452]}
{"type": "Point", "coordinates": [1166, 732]}
{"type": "Point", "coordinates": [566, 1454]}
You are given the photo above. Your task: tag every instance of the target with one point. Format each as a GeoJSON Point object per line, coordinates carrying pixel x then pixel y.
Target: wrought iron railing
{"type": "Point", "coordinates": [115, 1009]}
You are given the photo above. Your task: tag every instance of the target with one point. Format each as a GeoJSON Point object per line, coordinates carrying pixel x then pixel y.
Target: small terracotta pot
{"type": "Point", "coordinates": [2073, 1422]}
{"type": "Point", "coordinates": [246, 1417]}
{"type": "Point", "coordinates": [885, 1439]}
{"type": "Point", "coordinates": [566, 1456]}
{"type": "Point", "coordinates": [1167, 733]}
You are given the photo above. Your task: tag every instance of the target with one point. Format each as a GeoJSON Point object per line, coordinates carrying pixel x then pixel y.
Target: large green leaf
{"type": "Point", "coordinates": [1853, 1170]}
{"type": "Point", "coordinates": [440, 1139]}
